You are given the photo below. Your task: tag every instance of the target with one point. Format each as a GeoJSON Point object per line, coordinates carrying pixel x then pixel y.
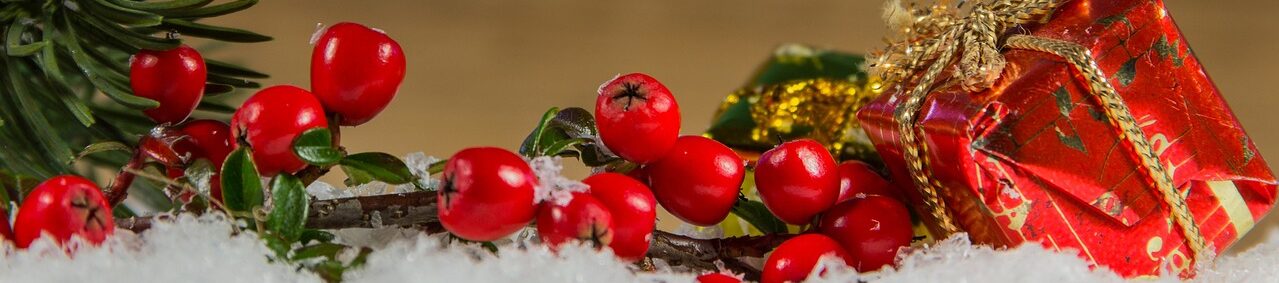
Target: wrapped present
{"type": "Point", "coordinates": [1094, 129]}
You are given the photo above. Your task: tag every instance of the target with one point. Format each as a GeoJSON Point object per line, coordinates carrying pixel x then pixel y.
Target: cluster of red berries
{"type": "Point", "coordinates": [61, 207]}
{"type": "Point", "coordinates": [488, 193]}
{"type": "Point", "coordinates": [355, 72]}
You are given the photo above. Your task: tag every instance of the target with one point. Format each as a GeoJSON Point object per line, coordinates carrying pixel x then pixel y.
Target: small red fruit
{"type": "Point", "coordinates": [6, 232]}
{"type": "Point", "coordinates": [797, 180]}
{"type": "Point", "coordinates": [637, 116]}
{"type": "Point", "coordinates": [204, 139]}
{"type": "Point", "coordinates": [698, 181]}
{"type": "Point", "coordinates": [355, 71]}
{"type": "Point", "coordinates": [872, 229]}
{"type": "Point", "coordinates": [62, 207]}
{"type": "Point", "coordinates": [795, 258]}
{"type": "Point", "coordinates": [583, 218]}
{"type": "Point", "coordinates": [717, 277]}
{"type": "Point", "coordinates": [174, 77]}
{"type": "Point", "coordinates": [486, 193]}
{"type": "Point", "coordinates": [270, 121]}
{"type": "Point", "coordinates": [634, 212]}
{"type": "Point", "coordinates": [856, 177]}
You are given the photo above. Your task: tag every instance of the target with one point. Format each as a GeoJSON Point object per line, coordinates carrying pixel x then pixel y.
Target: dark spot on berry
{"type": "Point", "coordinates": [243, 137]}
{"type": "Point", "coordinates": [449, 189]}
{"type": "Point", "coordinates": [630, 91]}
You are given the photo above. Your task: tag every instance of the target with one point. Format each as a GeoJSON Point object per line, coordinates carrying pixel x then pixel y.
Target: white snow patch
{"type": "Point", "coordinates": [190, 249]}
{"type": "Point", "coordinates": [553, 186]}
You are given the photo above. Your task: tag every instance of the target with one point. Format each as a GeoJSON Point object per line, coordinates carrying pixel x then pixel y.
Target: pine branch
{"type": "Point", "coordinates": [418, 209]}
{"type": "Point", "coordinates": [70, 60]}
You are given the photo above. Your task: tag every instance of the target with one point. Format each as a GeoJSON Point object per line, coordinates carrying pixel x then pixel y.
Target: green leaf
{"type": "Point", "coordinates": [560, 146]}
{"type": "Point", "coordinates": [289, 198]}
{"type": "Point", "coordinates": [131, 38]}
{"type": "Point", "coordinates": [217, 89]}
{"type": "Point", "coordinates": [213, 11]}
{"type": "Point", "coordinates": [224, 68]}
{"type": "Point", "coordinates": [54, 146]}
{"type": "Point", "coordinates": [104, 147]}
{"type": "Point", "coordinates": [575, 122]}
{"type": "Point", "coordinates": [235, 82]}
{"type": "Point", "coordinates": [757, 215]}
{"type": "Point", "coordinates": [162, 6]}
{"type": "Point", "coordinates": [315, 147]}
{"type": "Point", "coordinates": [800, 62]}
{"type": "Point", "coordinates": [376, 166]}
{"type": "Point", "coordinates": [13, 39]}
{"type": "Point", "coordinates": [315, 235]}
{"type": "Point", "coordinates": [241, 184]}
{"type": "Point", "coordinates": [213, 32]}
{"type": "Point", "coordinates": [326, 250]}
{"type": "Point", "coordinates": [531, 145]}
{"type": "Point", "coordinates": [122, 15]}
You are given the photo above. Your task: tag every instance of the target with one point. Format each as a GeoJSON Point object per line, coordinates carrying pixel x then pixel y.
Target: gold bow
{"type": "Point", "coordinates": [928, 41]}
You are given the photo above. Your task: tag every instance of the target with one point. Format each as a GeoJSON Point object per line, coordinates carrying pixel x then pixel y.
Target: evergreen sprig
{"type": "Point", "coordinates": [64, 74]}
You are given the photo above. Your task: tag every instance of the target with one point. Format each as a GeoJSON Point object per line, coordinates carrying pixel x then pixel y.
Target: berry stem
{"type": "Point", "coordinates": [119, 188]}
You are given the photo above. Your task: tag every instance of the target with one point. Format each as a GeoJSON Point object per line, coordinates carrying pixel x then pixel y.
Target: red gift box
{"type": "Point", "coordinates": [1035, 159]}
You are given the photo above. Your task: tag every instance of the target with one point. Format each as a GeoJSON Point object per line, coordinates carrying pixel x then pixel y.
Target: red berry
{"type": "Point", "coordinates": [797, 180]}
{"type": "Point", "coordinates": [583, 218]}
{"type": "Point", "coordinates": [6, 232]}
{"type": "Point", "coordinates": [717, 277]}
{"type": "Point", "coordinates": [698, 181]}
{"type": "Point", "coordinates": [634, 212]}
{"type": "Point", "coordinates": [268, 123]}
{"type": "Point", "coordinates": [64, 206]}
{"type": "Point", "coordinates": [204, 139]}
{"type": "Point", "coordinates": [856, 177]}
{"type": "Point", "coordinates": [637, 116]}
{"type": "Point", "coordinates": [795, 258]}
{"type": "Point", "coordinates": [872, 229]}
{"type": "Point", "coordinates": [355, 71]}
{"type": "Point", "coordinates": [174, 77]}
{"type": "Point", "coordinates": [486, 194]}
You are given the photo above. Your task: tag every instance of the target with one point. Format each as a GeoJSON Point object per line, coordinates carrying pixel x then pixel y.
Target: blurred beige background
{"type": "Point", "coordinates": [481, 72]}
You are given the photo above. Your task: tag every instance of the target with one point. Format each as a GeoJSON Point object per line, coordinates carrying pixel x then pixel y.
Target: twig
{"type": "Point", "coordinates": [418, 209]}
{"type": "Point", "coordinates": [119, 188]}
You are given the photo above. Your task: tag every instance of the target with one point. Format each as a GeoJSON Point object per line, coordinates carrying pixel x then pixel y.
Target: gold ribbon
{"type": "Point", "coordinates": [933, 37]}
{"type": "Point", "coordinates": [824, 108]}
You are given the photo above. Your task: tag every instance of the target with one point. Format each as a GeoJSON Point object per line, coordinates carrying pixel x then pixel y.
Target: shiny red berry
{"type": "Point", "coordinates": [270, 121]}
{"type": "Point", "coordinates": [174, 77]}
{"type": "Point", "coordinates": [637, 116]}
{"type": "Point", "coordinates": [858, 178]}
{"type": "Point", "coordinates": [871, 229]}
{"type": "Point", "coordinates": [797, 180]}
{"type": "Point", "coordinates": [486, 193]}
{"type": "Point", "coordinates": [717, 277]}
{"type": "Point", "coordinates": [204, 139]}
{"type": "Point", "coordinates": [634, 212]}
{"type": "Point", "coordinates": [795, 258]}
{"type": "Point", "coordinates": [6, 232]}
{"type": "Point", "coordinates": [62, 207]}
{"type": "Point", "coordinates": [698, 181]}
{"type": "Point", "coordinates": [355, 71]}
{"type": "Point", "coordinates": [582, 218]}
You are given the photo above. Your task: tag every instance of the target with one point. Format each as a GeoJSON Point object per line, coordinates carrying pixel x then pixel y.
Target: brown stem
{"type": "Point", "coordinates": [419, 209]}
{"type": "Point", "coordinates": [119, 188]}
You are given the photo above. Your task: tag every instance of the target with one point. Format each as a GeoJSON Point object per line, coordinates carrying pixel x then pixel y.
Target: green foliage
{"type": "Point", "coordinates": [757, 215]}
{"type": "Point", "coordinates": [569, 133]}
{"type": "Point", "coordinates": [241, 183]}
{"type": "Point", "coordinates": [315, 147]}
{"type": "Point", "coordinates": [366, 167]}
{"type": "Point", "coordinates": [65, 75]}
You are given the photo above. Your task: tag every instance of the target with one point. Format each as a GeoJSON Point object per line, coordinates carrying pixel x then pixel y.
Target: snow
{"type": "Point", "coordinates": [554, 186]}
{"type": "Point", "coordinates": [204, 249]}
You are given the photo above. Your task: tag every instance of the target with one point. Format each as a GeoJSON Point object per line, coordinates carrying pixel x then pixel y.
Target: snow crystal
{"type": "Point", "coordinates": [553, 186]}
{"type": "Point", "coordinates": [419, 164]}
{"type": "Point", "coordinates": [189, 249]}
{"type": "Point", "coordinates": [323, 191]}
{"type": "Point", "coordinates": [699, 232]}
{"type": "Point", "coordinates": [319, 31]}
